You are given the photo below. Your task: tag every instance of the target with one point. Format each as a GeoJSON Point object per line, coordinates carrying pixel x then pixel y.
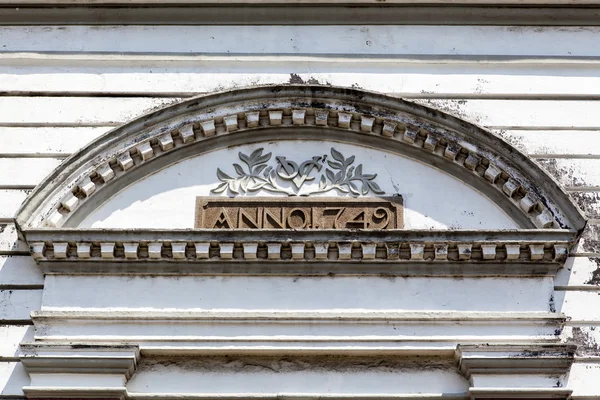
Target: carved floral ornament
{"type": "Point", "coordinates": [258, 174]}
{"type": "Point", "coordinates": [262, 114]}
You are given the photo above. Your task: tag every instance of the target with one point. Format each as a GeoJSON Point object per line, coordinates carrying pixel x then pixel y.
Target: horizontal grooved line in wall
{"type": "Point", "coordinates": [404, 95]}
{"type": "Point", "coordinates": [21, 287]}
{"type": "Point", "coordinates": [16, 322]}
{"type": "Point", "coordinates": [588, 288]}
{"type": "Point", "coordinates": [175, 59]}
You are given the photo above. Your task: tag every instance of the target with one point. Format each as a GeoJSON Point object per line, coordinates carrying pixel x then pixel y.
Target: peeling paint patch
{"type": "Point", "coordinates": [585, 341]}
{"type": "Point", "coordinates": [595, 277]}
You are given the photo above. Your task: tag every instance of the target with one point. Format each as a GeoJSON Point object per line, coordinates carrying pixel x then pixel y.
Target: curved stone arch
{"type": "Point", "coordinates": [202, 124]}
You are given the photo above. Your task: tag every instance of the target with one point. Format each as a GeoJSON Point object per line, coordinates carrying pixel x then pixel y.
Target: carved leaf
{"type": "Point", "coordinates": [256, 186]}
{"type": "Point", "coordinates": [322, 182]}
{"type": "Point", "coordinates": [330, 175]}
{"type": "Point", "coordinates": [239, 169]}
{"type": "Point", "coordinates": [259, 168]}
{"type": "Point", "coordinates": [353, 188]}
{"type": "Point", "coordinates": [244, 183]}
{"type": "Point", "coordinates": [267, 172]}
{"type": "Point", "coordinates": [375, 188]}
{"type": "Point", "coordinates": [244, 158]}
{"type": "Point", "coordinates": [220, 189]}
{"type": "Point", "coordinates": [255, 154]}
{"type": "Point", "coordinates": [359, 170]}
{"type": "Point", "coordinates": [263, 159]}
{"type": "Point", "coordinates": [365, 187]}
{"type": "Point", "coordinates": [350, 160]}
{"type": "Point", "coordinates": [234, 186]}
{"type": "Point", "coordinates": [337, 155]}
{"type": "Point", "coordinates": [222, 175]}
{"type": "Point", "coordinates": [334, 165]}
{"type": "Point", "coordinates": [338, 177]}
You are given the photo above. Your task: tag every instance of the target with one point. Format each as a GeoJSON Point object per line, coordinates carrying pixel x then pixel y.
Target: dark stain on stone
{"type": "Point", "coordinates": [586, 344]}
{"type": "Point", "coordinates": [295, 79]}
{"type": "Point", "coordinates": [551, 304]}
{"type": "Point", "coordinates": [595, 278]}
{"type": "Point", "coordinates": [588, 202]}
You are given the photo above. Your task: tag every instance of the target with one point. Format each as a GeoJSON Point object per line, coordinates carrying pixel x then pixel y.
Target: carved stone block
{"type": "Point", "coordinates": [37, 250]}
{"type": "Point", "coordinates": [537, 251]}
{"type": "Point", "coordinates": [106, 172]}
{"type": "Point", "coordinates": [528, 203]}
{"type": "Point", "coordinates": [178, 250]}
{"type": "Point", "coordinates": [125, 161]}
{"type": "Point", "coordinates": [545, 219]}
{"type": "Point", "coordinates": [274, 251]}
{"type": "Point", "coordinates": [345, 251]}
{"type": "Point", "coordinates": [298, 117]}
{"type": "Point", "coordinates": [488, 251]}
{"type": "Point", "coordinates": [492, 173]}
{"type": "Point", "coordinates": [187, 132]}
{"type": "Point", "coordinates": [107, 250]}
{"type": "Point", "coordinates": [131, 250]}
{"type": "Point", "coordinates": [166, 142]}
{"type": "Point", "coordinates": [464, 251]}
{"type": "Point", "coordinates": [389, 128]}
{"type": "Point", "coordinates": [275, 117]}
{"type": "Point", "coordinates": [344, 120]}
{"type": "Point", "coordinates": [410, 134]}
{"type": "Point", "coordinates": [431, 142]}
{"type": "Point", "coordinates": [87, 186]}
{"type": "Point", "coordinates": [208, 128]}
{"type": "Point", "coordinates": [231, 123]}
{"type": "Point", "coordinates": [451, 151]}
{"type": "Point", "coordinates": [70, 202]}
{"type": "Point", "coordinates": [83, 250]}
{"type": "Point", "coordinates": [154, 250]}
{"type": "Point", "coordinates": [250, 250]}
{"type": "Point", "coordinates": [366, 124]}
{"type": "Point", "coordinates": [297, 251]}
{"type": "Point", "coordinates": [299, 213]}
{"type": "Point", "coordinates": [472, 161]}
{"type": "Point", "coordinates": [369, 251]}
{"type": "Point", "coordinates": [202, 250]}
{"type": "Point", "coordinates": [252, 119]}
{"type": "Point", "coordinates": [321, 251]}
{"type": "Point", "coordinates": [54, 219]}
{"type": "Point", "coordinates": [145, 151]}
{"type": "Point", "coordinates": [321, 117]}
{"type": "Point", "coordinates": [60, 250]}
{"type": "Point", "coordinates": [441, 251]}
{"type": "Point", "coordinates": [226, 250]}
{"type": "Point", "coordinates": [510, 187]}
{"type": "Point", "coordinates": [417, 251]}
{"type": "Point", "coordinates": [513, 251]}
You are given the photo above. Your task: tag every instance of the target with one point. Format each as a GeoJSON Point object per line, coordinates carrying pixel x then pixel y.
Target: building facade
{"type": "Point", "coordinates": [298, 200]}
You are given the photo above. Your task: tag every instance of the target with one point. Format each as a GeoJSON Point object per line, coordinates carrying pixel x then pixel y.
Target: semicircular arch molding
{"type": "Point", "coordinates": [202, 124]}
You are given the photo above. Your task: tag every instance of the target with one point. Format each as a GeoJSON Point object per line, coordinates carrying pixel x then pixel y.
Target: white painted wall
{"type": "Point", "coordinates": [535, 86]}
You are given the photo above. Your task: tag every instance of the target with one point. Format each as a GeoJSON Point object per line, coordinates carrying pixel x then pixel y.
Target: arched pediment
{"type": "Point", "coordinates": [204, 124]}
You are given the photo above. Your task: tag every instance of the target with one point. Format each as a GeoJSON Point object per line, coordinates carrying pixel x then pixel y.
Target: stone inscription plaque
{"type": "Point", "coordinates": [299, 213]}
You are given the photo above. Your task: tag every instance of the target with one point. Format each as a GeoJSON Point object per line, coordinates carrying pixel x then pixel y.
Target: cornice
{"type": "Point", "coordinates": [63, 365]}
{"type": "Point", "coordinates": [80, 359]}
{"type": "Point", "coordinates": [395, 252]}
{"type": "Point", "coordinates": [473, 155]}
{"type": "Point", "coordinates": [553, 359]}
{"type": "Point", "coordinates": [484, 366]}
{"type": "Point", "coordinates": [508, 12]}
